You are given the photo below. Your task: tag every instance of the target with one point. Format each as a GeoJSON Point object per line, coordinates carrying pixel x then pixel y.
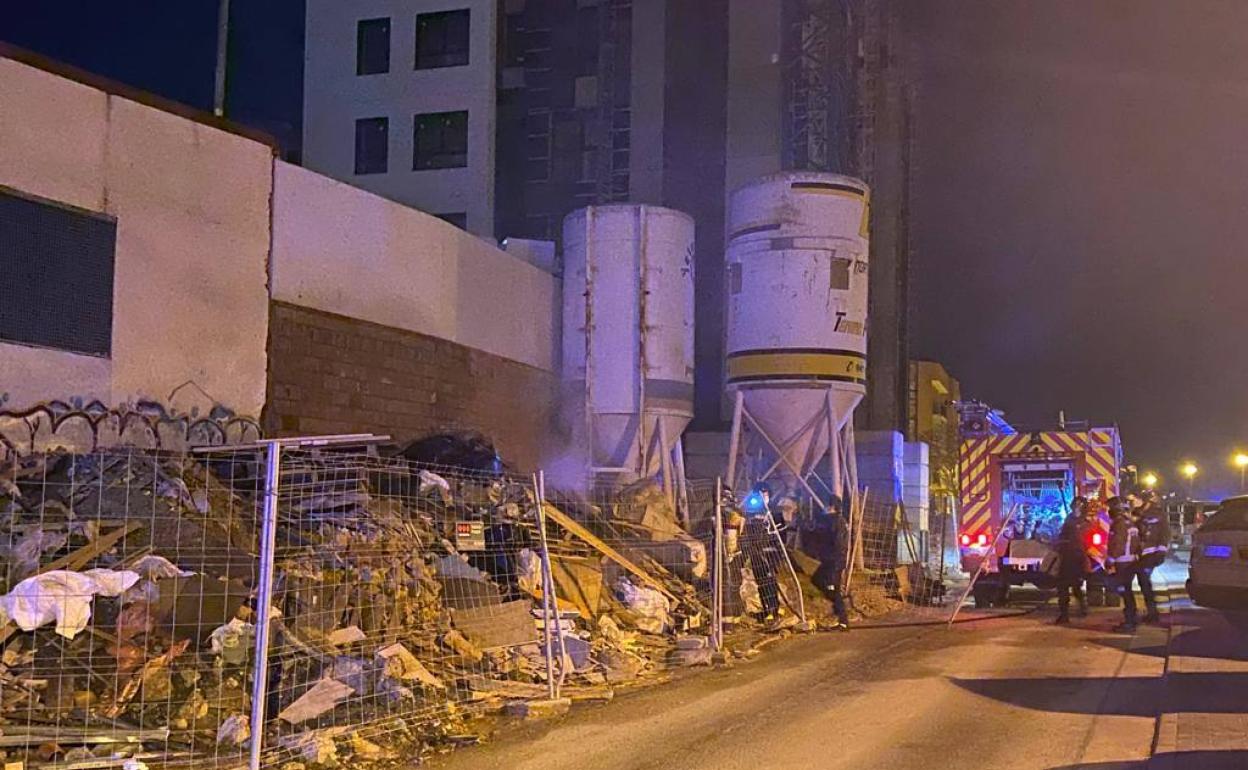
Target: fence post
{"type": "Point", "coordinates": [982, 564]}
{"type": "Point", "coordinates": [550, 607]}
{"type": "Point", "coordinates": [264, 600]}
{"type": "Point", "coordinates": [717, 570]}
{"type": "Point", "coordinates": [788, 562]}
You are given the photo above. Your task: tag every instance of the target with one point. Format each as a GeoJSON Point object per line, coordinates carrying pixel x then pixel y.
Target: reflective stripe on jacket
{"type": "Point", "coordinates": [1123, 541]}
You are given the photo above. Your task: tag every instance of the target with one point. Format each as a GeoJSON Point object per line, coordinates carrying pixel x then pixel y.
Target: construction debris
{"type": "Point", "coordinates": [131, 581]}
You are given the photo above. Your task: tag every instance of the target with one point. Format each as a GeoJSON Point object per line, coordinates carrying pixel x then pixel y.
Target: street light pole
{"type": "Point", "coordinates": [1189, 471]}
{"type": "Point", "coordinates": [1241, 461]}
{"type": "Point", "coordinates": [223, 49]}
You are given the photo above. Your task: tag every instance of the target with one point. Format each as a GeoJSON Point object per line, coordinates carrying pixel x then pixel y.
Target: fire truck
{"type": "Point", "coordinates": [1016, 489]}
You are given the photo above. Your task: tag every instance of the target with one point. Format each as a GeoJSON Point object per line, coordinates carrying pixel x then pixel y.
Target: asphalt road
{"type": "Point", "coordinates": [1016, 693]}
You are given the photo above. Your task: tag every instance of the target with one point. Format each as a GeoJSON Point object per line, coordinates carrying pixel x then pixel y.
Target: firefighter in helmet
{"type": "Point", "coordinates": [1072, 565]}
{"type": "Point", "coordinates": [761, 542]}
{"type": "Point", "coordinates": [1154, 527]}
{"type": "Point", "coordinates": [1124, 557]}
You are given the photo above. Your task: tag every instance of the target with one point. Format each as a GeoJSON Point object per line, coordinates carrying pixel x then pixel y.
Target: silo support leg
{"type": "Point", "coordinates": [734, 441]}
{"type": "Point", "coordinates": [797, 474]}
{"type": "Point", "coordinates": [812, 425]}
{"type": "Point", "coordinates": [682, 489]}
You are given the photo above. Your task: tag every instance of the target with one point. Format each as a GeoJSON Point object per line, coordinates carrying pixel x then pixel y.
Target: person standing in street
{"type": "Point", "coordinates": [826, 538]}
{"type": "Point", "coordinates": [1154, 527]}
{"type": "Point", "coordinates": [1124, 558]}
{"type": "Point", "coordinates": [1072, 565]}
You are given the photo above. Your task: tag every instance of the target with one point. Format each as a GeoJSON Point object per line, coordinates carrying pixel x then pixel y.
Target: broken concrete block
{"type": "Point", "coordinates": [701, 656]}
{"type": "Point", "coordinates": [502, 625]}
{"type": "Point", "coordinates": [539, 709]}
{"type": "Point", "coordinates": [352, 672]}
{"type": "Point", "coordinates": [323, 697]}
{"type": "Point", "coordinates": [454, 641]}
{"type": "Point", "coordinates": [577, 651]}
{"type": "Point", "coordinates": [402, 665]}
{"type": "Point", "coordinates": [234, 731]}
{"type": "Point", "coordinates": [345, 636]}
{"type": "Point", "coordinates": [363, 748]}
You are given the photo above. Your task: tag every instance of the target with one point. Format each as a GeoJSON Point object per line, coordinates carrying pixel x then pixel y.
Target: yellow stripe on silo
{"type": "Point", "coordinates": [801, 364]}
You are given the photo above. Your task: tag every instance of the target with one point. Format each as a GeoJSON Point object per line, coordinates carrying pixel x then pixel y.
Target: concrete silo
{"type": "Point", "coordinates": [796, 329]}
{"type": "Point", "coordinates": [628, 339]}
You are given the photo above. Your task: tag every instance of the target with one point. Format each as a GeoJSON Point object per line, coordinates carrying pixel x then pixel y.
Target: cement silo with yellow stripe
{"type": "Point", "coordinates": [797, 261]}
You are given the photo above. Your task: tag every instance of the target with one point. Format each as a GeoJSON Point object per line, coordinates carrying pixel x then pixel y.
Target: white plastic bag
{"type": "Point", "coordinates": [650, 606]}
{"type": "Point", "coordinates": [63, 597]}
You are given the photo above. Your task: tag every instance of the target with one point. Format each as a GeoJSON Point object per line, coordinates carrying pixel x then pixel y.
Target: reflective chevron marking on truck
{"type": "Point", "coordinates": [976, 456]}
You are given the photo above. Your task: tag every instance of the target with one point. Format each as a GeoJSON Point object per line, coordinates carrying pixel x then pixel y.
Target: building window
{"type": "Point", "coordinates": [440, 140]}
{"type": "Point", "coordinates": [372, 139]}
{"type": "Point", "coordinates": [57, 263]}
{"type": "Point", "coordinates": [442, 39]}
{"type": "Point", "coordinates": [457, 218]}
{"type": "Point", "coordinates": [372, 47]}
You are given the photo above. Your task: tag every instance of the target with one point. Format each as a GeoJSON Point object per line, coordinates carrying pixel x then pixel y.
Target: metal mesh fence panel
{"type": "Point", "coordinates": [126, 605]}
{"type": "Point", "coordinates": [896, 574]}
{"type": "Point", "coordinates": [405, 598]}
{"type": "Point", "coordinates": [635, 568]}
{"type": "Point", "coordinates": [763, 585]}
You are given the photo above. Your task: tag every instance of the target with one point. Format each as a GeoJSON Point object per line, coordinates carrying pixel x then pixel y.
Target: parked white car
{"type": "Point", "coordinates": [1219, 567]}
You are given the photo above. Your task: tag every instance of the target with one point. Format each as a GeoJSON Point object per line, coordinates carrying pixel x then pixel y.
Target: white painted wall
{"type": "Point", "coordinates": [192, 208]}
{"type": "Point", "coordinates": [346, 251]}
{"type": "Point", "coordinates": [334, 97]}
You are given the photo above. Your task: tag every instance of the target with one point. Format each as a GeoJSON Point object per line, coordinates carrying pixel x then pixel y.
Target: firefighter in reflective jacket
{"type": "Point", "coordinates": [1154, 526]}
{"type": "Point", "coordinates": [1124, 559]}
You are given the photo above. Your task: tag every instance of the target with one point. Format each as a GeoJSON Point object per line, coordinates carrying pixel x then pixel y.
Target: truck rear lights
{"type": "Point", "coordinates": [981, 540]}
{"type": "Point", "coordinates": [966, 540]}
{"type": "Point", "coordinates": [1098, 538]}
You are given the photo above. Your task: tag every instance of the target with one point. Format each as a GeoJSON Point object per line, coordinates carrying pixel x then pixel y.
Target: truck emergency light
{"type": "Point", "coordinates": [1097, 538]}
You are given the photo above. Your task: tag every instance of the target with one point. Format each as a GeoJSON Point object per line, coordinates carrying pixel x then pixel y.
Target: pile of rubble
{"type": "Point", "coordinates": [406, 603]}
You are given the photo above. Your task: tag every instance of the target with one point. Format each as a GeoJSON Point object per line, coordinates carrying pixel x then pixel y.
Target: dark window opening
{"type": "Point", "coordinates": [57, 264]}
{"type": "Point", "coordinates": [440, 140]}
{"type": "Point", "coordinates": [457, 218]}
{"type": "Point", "coordinates": [372, 139]}
{"type": "Point", "coordinates": [442, 39]}
{"type": "Point", "coordinates": [372, 47]}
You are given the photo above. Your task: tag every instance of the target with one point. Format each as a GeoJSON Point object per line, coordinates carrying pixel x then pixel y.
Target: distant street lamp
{"type": "Point", "coordinates": [1189, 471]}
{"type": "Point", "coordinates": [1150, 480]}
{"type": "Point", "coordinates": [1241, 462]}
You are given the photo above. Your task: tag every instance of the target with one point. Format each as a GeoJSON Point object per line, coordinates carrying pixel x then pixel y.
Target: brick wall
{"type": "Point", "coordinates": [332, 374]}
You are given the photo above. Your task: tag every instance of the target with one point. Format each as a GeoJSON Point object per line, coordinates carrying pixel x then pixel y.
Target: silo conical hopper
{"type": "Point", "coordinates": [797, 261]}
{"type": "Point", "coordinates": [628, 338]}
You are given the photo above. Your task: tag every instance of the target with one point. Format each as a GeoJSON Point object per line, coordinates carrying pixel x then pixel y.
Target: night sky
{"type": "Point", "coordinates": [169, 48]}
{"type": "Point", "coordinates": [1082, 216]}
{"type": "Point", "coordinates": [1081, 211]}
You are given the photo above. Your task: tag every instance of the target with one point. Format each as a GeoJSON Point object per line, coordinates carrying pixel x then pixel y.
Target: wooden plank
{"type": "Point", "coordinates": [579, 583]}
{"type": "Point", "coordinates": [576, 528]}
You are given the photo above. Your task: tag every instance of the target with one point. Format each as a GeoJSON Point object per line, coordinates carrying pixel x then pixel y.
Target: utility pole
{"type": "Point", "coordinates": [223, 37]}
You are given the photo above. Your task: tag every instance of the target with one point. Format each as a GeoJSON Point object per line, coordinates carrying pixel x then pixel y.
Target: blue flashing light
{"type": "Point", "coordinates": [999, 423]}
{"type": "Point", "coordinates": [754, 503]}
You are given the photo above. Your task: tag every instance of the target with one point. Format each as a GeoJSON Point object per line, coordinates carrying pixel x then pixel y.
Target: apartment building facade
{"type": "Point", "coordinates": [399, 99]}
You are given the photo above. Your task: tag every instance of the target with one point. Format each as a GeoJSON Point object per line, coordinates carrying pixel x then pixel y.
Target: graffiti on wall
{"type": "Point", "coordinates": [78, 428]}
